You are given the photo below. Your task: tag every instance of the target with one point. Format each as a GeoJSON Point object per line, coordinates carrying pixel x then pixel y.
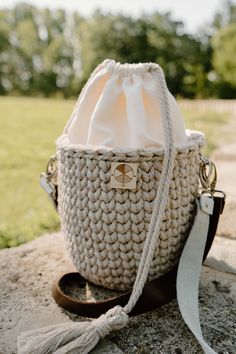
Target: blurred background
{"type": "Point", "coordinates": [47, 52]}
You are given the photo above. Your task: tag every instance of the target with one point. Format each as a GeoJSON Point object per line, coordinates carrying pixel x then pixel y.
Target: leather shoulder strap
{"type": "Point", "coordinates": [155, 293]}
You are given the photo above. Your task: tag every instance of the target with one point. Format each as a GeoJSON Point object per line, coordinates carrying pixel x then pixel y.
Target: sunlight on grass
{"type": "Point", "coordinates": [211, 123]}
{"type": "Point", "coordinates": [29, 127]}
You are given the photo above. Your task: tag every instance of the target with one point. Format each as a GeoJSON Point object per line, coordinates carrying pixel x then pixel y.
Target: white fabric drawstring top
{"type": "Point", "coordinates": [119, 107]}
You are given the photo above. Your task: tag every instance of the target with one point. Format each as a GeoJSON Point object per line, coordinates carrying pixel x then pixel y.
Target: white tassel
{"type": "Point", "coordinates": [72, 337]}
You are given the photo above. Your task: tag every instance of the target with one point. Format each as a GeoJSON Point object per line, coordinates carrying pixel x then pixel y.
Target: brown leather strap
{"type": "Point", "coordinates": [155, 293]}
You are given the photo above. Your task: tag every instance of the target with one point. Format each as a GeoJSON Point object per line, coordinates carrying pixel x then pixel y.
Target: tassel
{"type": "Point", "coordinates": [72, 337]}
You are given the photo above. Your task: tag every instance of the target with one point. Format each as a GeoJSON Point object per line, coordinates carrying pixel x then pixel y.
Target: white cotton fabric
{"type": "Point", "coordinates": [119, 107]}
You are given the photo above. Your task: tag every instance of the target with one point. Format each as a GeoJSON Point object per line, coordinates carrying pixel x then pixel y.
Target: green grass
{"type": "Point", "coordinates": [212, 124]}
{"type": "Point", "coordinates": [29, 127]}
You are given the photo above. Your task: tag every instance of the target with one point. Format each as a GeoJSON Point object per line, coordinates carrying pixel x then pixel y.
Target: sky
{"type": "Point", "coordinates": [194, 13]}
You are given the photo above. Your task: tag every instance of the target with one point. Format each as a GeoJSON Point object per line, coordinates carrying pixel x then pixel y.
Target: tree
{"type": "Point", "coordinates": [225, 16]}
{"type": "Point", "coordinates": [51, 52]}
{"type": "Point", "coordinates": [155, 38]}
{"type": "Point", "coordinates": [118, 37]}
{"type": "Point", "coordinates": [224, 45]}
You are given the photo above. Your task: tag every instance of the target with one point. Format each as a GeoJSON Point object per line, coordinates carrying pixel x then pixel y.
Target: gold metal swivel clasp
{"type": "Point", "coordinates": [48, 180]}
{"type": "Point", "coordinates": [208, 175]}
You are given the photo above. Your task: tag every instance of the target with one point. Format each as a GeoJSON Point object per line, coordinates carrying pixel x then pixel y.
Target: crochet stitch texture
{"type": "Point", "coordinates": [105, 228]}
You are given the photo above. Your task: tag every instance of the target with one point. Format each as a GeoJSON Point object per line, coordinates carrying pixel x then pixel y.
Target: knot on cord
{"type": "Point", "coordinates": [114, 319]}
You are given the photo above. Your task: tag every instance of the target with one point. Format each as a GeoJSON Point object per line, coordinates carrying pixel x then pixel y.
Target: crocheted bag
{"type": "Point", "coordinates": [128, 180]}
{"type": "Point", "coordinates": [110, 162]}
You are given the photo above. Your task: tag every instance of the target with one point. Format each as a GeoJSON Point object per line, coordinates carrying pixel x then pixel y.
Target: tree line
{"type": "Point", "coordinates": [52, 52]}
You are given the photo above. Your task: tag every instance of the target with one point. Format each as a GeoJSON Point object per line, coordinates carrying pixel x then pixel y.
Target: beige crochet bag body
{"type": "Point", "coordinates": [128, 196]}
{"type": "Point", "coordinates": [106, 193]}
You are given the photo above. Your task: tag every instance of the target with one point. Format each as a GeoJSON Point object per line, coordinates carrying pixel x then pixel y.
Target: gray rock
{"type": "Point", "coordinates": [225, 160]}
{"type": "Point", "coordinates": [225, 153]}
{"type": "Point", "coordinates": [106, 347]}
{"type": "Point", "coordinates": [227, 224]}
{"type": "Point", "coordinates": [163, 330]}
{"type": "Point", "coordinates": [26, 274]}
{"type": "Point", "coordinates": [222, 255]}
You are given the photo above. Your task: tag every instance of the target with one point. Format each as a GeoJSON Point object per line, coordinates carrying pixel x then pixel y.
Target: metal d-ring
{"type": "Point", "coordinates": [208, 174]}
{"type": "Point", "coordinates": [48, 179]}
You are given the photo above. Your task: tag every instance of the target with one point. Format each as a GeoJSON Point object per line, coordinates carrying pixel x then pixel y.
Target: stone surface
{"type": "Point", "coordinates": [163, 330]}
{"type": "Point", "coordinates": [26, 274]}
{"type": "Point", "coordinates": [225, 153]}
{"type": "Point", "coordinates": [225, 160]}
{"type": "Point", "coordinates": [227, 224]}
{"type": "Point", "coordinates": [222, 255]}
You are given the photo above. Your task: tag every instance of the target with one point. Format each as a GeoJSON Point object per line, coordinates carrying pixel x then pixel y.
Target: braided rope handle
{"type": "Point", "coordinates": [161, 196]}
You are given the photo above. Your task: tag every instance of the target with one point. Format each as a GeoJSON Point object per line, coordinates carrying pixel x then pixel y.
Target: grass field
{"type": "Point", "coordinates": [28, 129]}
